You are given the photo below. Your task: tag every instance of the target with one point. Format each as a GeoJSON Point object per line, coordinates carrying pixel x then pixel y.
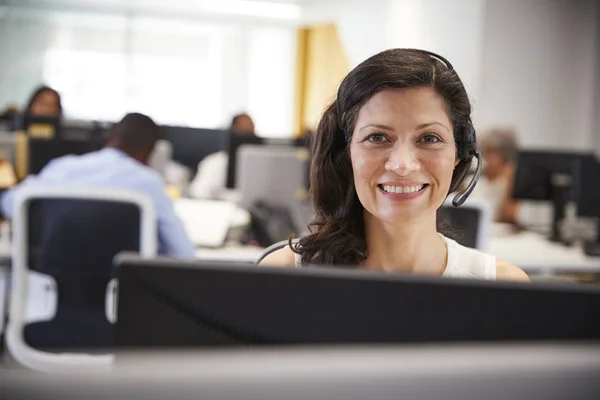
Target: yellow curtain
{"type": "Point", "coordinates": [320, 67]}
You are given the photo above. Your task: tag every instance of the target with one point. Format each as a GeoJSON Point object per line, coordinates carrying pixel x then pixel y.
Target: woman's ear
{"type": "Point", "coordinates": [456, 161]}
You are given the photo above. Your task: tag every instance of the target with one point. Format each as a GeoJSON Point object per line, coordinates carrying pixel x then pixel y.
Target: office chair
{"type": "Point", "coordinates": [62, 307]}
{"type": "Point", "coordinates": [469, 224]}
{"type": "Point", "coordinates": [273, 248]}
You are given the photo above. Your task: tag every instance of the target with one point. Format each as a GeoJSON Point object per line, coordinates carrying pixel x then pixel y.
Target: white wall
{"type": "Point", "coordinates": [434, 25]}
{"type": "Point", "coordinates": [361, 24]}
{"type": "Point", "coordinates": [532, 64]}
{"type": "Point", "coordinates": [596, 109]}
{"type": "Point", "coordinates": [539, 68]}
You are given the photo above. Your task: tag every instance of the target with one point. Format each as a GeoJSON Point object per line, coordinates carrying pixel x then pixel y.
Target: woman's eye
{"type": "Point", "coordinates": [376, 138]}
{"type": "Point", "coordinates": [430, 139]}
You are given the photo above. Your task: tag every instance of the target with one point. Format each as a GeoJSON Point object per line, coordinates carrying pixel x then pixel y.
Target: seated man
{"type": "Point", "coordinates": [122, 164]}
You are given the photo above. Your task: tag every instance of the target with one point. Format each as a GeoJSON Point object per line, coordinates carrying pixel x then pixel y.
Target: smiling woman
{"type": "Point", "coordinates": [388, 151]}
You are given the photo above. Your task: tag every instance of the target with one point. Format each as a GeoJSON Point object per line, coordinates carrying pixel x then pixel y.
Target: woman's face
{"type": "Point", "coordinates": [403, 155]}
{"type": "Point", "coordinates": [46, 104]}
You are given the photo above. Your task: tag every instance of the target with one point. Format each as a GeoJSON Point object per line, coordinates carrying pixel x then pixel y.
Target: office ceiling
{"type": "Point", "coordinates": [284, 10]}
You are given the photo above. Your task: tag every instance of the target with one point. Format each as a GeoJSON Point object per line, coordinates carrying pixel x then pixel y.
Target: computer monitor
{"type": "Point", "coordinates": [275, 175]}
{"type": "Point", "coordinates": [191, 145]}
{"type": "Point", "coordinates": [237, 141]}
{"type": "Point", "coordinates": [166, 303]}
{"type": "Point", "coordinates": [41, 127]}
{"type": "Point", "coordinates": [233, 144]}
{"type": "Point", "coordinates": [42, 151]}
{"type": "Point", "coordinates": [588, 199]}
{"type": "Point", "coordinates": [551, 176]}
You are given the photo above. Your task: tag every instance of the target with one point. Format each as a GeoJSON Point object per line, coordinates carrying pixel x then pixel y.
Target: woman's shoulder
{"type": "Point", "coordinates": [506, 271]}
{"type": "Point", "coordinates": [482, 265]}
{"type": "Point", "coordinates": [283, 257]}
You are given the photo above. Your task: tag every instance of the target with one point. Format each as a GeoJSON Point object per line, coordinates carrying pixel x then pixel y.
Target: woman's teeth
{"type": "Point", "coordinates": [402, 189]}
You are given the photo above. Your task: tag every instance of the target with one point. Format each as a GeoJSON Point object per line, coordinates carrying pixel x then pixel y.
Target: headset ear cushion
{"type": "Point", "coordinates": [468, 145]}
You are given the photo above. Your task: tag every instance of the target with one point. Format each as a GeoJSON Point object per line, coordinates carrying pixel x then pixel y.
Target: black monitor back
{"type": "Point", "coordinates": [462, 224]}
{"type": "Point", "coordinates": [233, 144]}
{"type": "Point", "coordinates": [588, 189]}
{"type": "Point", "coordinates": [536, 171]}
{"type": "Point", "coordinates": [42, 151]}
{"type": "Point", "coordinates": [191, 145]}
{"type": "Point", "coordinates": [163, 303]}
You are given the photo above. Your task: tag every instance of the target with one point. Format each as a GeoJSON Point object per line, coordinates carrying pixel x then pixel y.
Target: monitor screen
{"type": "Point", "coordinates": [166, 303]}
{"type": "Point", "coordinates": [192, 145]}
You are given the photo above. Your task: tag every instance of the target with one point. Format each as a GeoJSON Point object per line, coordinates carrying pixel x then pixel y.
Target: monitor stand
{"type": "Point", "coordinates": [559, 199]}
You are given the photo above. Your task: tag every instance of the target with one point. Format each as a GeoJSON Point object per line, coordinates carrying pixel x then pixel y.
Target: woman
{"type": "Point", "coordinates": [44, 102]}
{"type": "Point", "coordinates": [498, 148]}
{"type": "Point", "coordinates": [385, 157]}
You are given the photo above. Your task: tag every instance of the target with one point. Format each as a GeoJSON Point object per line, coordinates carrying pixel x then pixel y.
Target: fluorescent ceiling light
{"type": "Point", "coordinates": [252, 8]}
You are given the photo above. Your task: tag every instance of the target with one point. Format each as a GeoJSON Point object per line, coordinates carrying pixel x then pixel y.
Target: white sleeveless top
{"type": "Point", "coordinates": [463, 262]}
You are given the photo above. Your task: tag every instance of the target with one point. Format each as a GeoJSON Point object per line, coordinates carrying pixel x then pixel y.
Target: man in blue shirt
{"type": "Point", "coordinates": [122, 164]}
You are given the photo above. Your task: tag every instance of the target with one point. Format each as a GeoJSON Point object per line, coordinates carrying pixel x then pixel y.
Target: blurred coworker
{"type": "Point", "coordinates": [9, 112]}
{"type": "Point", "coordinates": [122, 164]}
{"type": "Point", "coordinates": [211, 176]}
{"type": "Point", "coordinates": [44, 102]}
{"type": "Point", "coordinates": [498, 147]}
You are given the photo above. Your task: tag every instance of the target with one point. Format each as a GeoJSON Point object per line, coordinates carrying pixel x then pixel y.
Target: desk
{"type": "Point", "coordinates": [534, 254]}
{"type": "Point", "coordinates": [528, 250]}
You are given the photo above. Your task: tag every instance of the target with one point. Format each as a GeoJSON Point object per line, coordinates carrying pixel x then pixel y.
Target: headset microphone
{"type": "Point", "coordinates": [460, 197]}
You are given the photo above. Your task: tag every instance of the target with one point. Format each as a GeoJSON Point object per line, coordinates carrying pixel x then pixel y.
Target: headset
{"type": "Point", "coordinates": [466, 145]}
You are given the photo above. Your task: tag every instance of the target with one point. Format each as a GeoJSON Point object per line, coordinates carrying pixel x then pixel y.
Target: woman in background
{"type": "Point", "coordinates": [44, 102]}
{"type": "Point", "coordinates": [387, 152]}
{"type": "Point", "coordinates": [498, 147]}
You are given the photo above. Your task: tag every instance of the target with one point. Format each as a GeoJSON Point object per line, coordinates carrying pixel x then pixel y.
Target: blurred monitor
{"type": "Point", "coordinates": [468, 224]}
{"type": "Point", "coordinates": [41, 127]}
{"type": "Point", "coordinates": [550, 176]}
{"type": "Point", "coordinates": [42, 151]}
{"type": "Point", "coordinates": [191, 145]}
{"type": "Point", "coordinates": [165, 303]}
{"type": "Point", "coordinates": [233, 144]}
{"type": "Point", "coordinates": [588, 189]}
{"type": "Point", "coordinates": [272, 174]}
{"type": "Point", "coordinates": [588, 199]}
{"type": "Point", "coordinates": [89, 131]}
{"type": "Point", "coordinates": [236, 141]}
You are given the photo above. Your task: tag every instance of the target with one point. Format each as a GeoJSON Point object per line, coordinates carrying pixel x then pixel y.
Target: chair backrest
{"type": "Point", "coordinates": [74, 241]}
{"type": "Point", "coordinates": [469, 224]}
{"type": "Point", "coordinates": [273, 248]}
{"type": "Point", "coordinates": [72, 236]}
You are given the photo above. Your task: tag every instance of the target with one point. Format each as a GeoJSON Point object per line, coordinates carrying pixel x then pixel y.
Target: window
{"type": "Point", "coordinates": [180, 71]}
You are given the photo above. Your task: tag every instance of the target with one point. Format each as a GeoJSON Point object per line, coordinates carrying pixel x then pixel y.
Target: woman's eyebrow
{"type": "Point", "coordinates": [428, 124]}
{"type": "Point", "coordinates": [378, 126]}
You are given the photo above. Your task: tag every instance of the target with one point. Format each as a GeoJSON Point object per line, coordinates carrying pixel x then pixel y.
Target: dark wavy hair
{"type": "Point", "coordinates": [37, 92]}
{"type": "Point", "coordinates": [337, 234]}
